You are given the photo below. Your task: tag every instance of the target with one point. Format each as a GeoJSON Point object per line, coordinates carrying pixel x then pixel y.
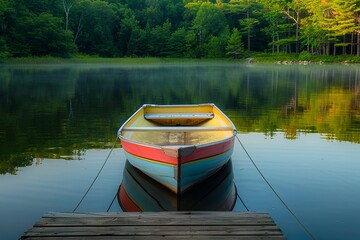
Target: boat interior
{"type": "Point", "coordinates": [180, 125]}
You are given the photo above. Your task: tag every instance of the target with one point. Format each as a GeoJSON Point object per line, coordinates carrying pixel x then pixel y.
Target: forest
{"type": "Point", "coordinates": [178, 28]}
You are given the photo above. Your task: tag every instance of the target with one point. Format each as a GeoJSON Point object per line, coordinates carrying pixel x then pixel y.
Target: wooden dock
{"type": "Point", "coordinates": [151, 225]}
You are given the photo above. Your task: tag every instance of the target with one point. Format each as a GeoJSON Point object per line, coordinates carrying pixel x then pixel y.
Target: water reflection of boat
{"type": "Point", "coordinates": [178, 145]}
{"type": "Point", "coordinates": [138, 192]}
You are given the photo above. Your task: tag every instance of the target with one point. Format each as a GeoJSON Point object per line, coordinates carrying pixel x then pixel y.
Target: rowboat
{"type": "Point", "coordinates": [178, 145]}
{"type": "Point", "coordinates": [140, 193]}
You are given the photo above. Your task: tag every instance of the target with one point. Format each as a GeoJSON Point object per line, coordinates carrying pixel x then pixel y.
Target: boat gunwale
{"type": "Point", "coordinates": [160, 147]}
{"type": "Point", "coordinates": [177, 129]}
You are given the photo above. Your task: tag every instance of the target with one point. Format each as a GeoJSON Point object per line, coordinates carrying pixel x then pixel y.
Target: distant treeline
{"type": "Point", "coordinates": [178, 28]}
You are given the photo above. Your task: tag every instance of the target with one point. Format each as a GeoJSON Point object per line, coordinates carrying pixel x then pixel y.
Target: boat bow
{"type": "Point", "coordinates": [178, 151]}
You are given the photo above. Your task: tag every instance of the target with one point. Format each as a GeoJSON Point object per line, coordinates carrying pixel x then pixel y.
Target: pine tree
{"type": "Point", "coordinates": [235, 45]}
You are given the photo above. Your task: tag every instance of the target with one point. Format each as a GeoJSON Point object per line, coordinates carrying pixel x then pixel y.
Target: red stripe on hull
{"type": "Point", "coordinates": [148, 152]}
{"type": "Point", "coordinates": [157, 154]}
{"type": "Point", "coordinates": [208, 151]}
{"type": "Point", "coordinates": [125, 201]}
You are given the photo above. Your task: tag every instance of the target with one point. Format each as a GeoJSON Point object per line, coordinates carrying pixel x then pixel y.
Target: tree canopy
{"type": "Point", "coordinates": [177, 28]}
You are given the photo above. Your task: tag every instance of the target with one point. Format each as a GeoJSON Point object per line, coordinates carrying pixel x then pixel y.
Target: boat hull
{"type": "Point", "coordinates": [179, 174]}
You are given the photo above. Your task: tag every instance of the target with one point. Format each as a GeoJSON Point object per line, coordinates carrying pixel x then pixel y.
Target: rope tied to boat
{"type": "Point", "coordinates": [97, 175]}
{"type": "Point", "coordinates": [274, 191]}
{"type": "Point", "coordinates": [241, 200]}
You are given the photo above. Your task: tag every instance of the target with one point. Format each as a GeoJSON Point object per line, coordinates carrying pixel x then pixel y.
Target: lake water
{"type": "Point", "coordinates": [299, 124]}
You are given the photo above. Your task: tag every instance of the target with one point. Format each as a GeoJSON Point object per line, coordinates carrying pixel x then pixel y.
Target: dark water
{"type": "Point", "coordinates": [300, 124]}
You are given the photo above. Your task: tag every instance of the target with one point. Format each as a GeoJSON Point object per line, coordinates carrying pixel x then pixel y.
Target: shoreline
{"type": "Point", "coordinates": [282, 59]}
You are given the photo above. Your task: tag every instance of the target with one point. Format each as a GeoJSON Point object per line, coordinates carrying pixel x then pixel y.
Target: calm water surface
{"type": "Point", "coordinates": [300, 124]}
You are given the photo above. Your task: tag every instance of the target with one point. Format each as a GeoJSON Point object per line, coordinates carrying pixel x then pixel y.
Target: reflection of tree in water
{"type": "Point", "coordinates": [10, 163]}
{"type": "Point", "coordinates": [37, 160]}
{"type": "Point", "coordinates": [61, 112]}
{"type": "Point", "coordinates": [71, 113]}
{"type": "Point", "coordinates": [328, 107]}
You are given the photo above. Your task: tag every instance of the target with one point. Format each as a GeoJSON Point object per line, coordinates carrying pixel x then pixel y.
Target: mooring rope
{"type": "Point", "coordinates": [97, 175]}
{"type": "Point", "coordinates": [112, 202]}
{"type": "Point", "coordinates": [238, 195]}
{"type": "Point", "coordinates": [274, 191]}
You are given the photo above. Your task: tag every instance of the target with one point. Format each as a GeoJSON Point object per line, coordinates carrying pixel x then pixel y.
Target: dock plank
{"type": "Point", "coordinates": [174, 225]}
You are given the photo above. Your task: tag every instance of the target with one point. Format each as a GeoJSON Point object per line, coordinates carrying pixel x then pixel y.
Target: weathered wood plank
{"type": "Point", "coordinates": [53, 222]}
{"type": "Point", "coordinates": [163, 237]}
{"type": "Point", "coordinates": [151, 219]}
{"type": "Point", "coordinates": [185, 214]}
{"type": "Point", "coordinates": [174, 225]}
{"type": "Point", "coordinates": [154, 230]}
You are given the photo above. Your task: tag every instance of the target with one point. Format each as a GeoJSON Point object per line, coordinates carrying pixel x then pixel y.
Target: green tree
{"type": "Point", "coordinates": [28, 33]}
{"type": "Point", "coordinates": [4, 51]}
{"type": "Point", "coordinates": [47, 36]}
{"type": "Point", "coordinates": [249, 24]}
{"type": "Point", "coordinates": [313, 37]}
{"type": "Point", "coordinates": [292, 10]}
{"type": "Point", "coordinates": [209, 22]}
{"type": "Point", "coordinates": [214, 48]}
{"type": "Point", "coordinates": [177, 43]}
{"type": "Point", "coordinates": [273, 29]}
{"type": "Point", "coordinates": [53, 7]}
{"type": "Point", "coordinates": [152, 14]}
{"type": "Point", "coordinates": [235, 45]}
{"type": "Point", "coordinates": [98, 21]}
{"type": "Point", "coordinates": [192, 49]}
{"type": "Point", "coordinates": [247, 14]}
{"type": "Point", "coordinates": [159, 40]}
{"type": "Point", "coordinates": [314, 27]}
{"type": "Point", "coordinates": [138, 43]}
{"type": "Point", "coordinates": [342, 21]}
{"type": "Point", "coordinates": [127, 28]}
{"type": "Point", "coordinates": [331, 23]}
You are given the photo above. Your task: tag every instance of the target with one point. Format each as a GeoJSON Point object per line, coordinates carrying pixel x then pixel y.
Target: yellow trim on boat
{"type": "Point", "coordinates": [133, 200]}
